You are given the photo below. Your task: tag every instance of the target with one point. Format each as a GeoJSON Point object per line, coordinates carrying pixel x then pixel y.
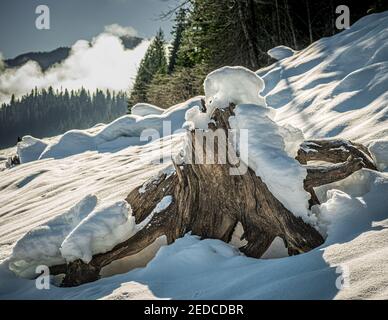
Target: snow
{"type": "Point", "coordinates": [272, 159]}
{"type": "Point", "coordinates": [337, 87]}
{"type": "Point", "coordinates": [280, 52]}
{"type": "Point", "coordinates": [160, 207]}
{"type": "Point", "coordinates": [99, 232]}
{"type": "Point", "coordinates": [196, 119]}
{"type": "Point", "coordinates": [194, 269]}
{"type": "Point", "coordinates": [232, 85]}
{"type": "Point", "coordinates": [276, 250]}
{"type": "Point", "coordinates": [138, 260]}
{"type": "Point", "coordinates": [41, 245]}
{"type": "Point", "coordinates": [379, 151]}
{"type": "Point", "coordinates": [30, 148]}
{"type": "Point", "coordinates": [145, 109]}
{"type": "Point", "coordinates": [237, 237]}
{"type": "Point", "coordinates": [79, 233]}
{"type": "Point", "coordinates": [163, 204]}
{"type": "Point", "coordinates": [206, 269]}
{"type": "Point", "coordinates": [129, 130]}
{"type": "Point", "coordinates": [153, 180]}
{"type": "Point", "coordinates": [34, 193]}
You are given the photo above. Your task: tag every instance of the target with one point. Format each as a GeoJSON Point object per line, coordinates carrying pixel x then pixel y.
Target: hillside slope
{"type": "Point", "coordinates": [336, 87]}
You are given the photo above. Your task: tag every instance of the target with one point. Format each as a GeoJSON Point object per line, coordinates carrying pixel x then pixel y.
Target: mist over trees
{"type": "Point", "coordinates": [209, 34]}
{"type": "Point", "coordinates": [46, 113]}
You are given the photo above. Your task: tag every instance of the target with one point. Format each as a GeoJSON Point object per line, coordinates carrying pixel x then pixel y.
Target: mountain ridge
{"type": "Point", "coordinates": [46, 59]}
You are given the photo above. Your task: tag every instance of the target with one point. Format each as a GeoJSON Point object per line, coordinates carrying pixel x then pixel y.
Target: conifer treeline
{"type": "Point", "coordinates": [209, 34]}
{"type": "Point", "coordinates": [45, 113]}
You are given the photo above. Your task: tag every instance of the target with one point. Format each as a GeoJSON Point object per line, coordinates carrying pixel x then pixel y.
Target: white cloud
{"type": "Point", "coordinates": [103, 64]}
{"type": "Point", "coordinates": [120, 31]}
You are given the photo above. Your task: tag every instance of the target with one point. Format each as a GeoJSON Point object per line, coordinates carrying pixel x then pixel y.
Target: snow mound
{"type": "Point", "coordinates": [196, 119]}
{"type": "Point", "coordinates": [224, 86]}
{"type": "Point", "coordinates": [379, 151]}
{"type": "Point", "coordinates": [232, 85]}
{"type": "Point", "coordinates": [348, 209]}
{"type": "Point", "coordinates": [276, 250]}
{"type": "Point", "coordinates": [41, 245]}
{"type": "Point", "coordinates": [145, 109]}
{"type": "Point", "coordinates": [71, 143]}
{"type": "Point", "coordinates": [99, 232]}
{"type": "Point", "coordinates": [280, 52]}
{"type": "Point", "coordinates": [338, 86]}
{"type": "Point", "coordinates": [30, 148]}
{"type": "Point", "coordinates": [126, 131]}
{"type": "Point", "coordinates": [79, 233]}
{"type": "Point", "coordinates": [271, 159]}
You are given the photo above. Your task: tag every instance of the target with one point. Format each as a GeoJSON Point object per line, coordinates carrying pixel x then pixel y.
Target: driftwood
{"type": "Point", "coordinates": [334, 151]}
{"type": "Point", "coordinates": [210, 202]}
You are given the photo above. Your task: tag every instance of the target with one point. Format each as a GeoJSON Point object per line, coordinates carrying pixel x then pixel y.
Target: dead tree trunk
{"type": "Point", "coordinates": [209, 202]}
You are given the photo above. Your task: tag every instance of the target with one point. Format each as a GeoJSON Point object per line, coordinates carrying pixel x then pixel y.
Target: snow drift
{"type": "Point", "coordinates": [338, 86]}
{"type": "Point", "coordinates": [335, 87]}
{"type": "Point", "coordinates": [129, 130]}
{"type": "Point", "coordinates": [79, 233]}
{"type": "Point", "coordinates": [145, 109]}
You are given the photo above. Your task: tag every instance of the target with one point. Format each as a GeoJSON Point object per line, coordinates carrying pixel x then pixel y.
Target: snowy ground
{"type": "Point", "coordinates": [336, 87]}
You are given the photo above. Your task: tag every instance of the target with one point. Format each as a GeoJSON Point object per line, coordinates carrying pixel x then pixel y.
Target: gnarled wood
{"type": "Point", "coordinates": [334, 151]}
{"type": "Point", "coordinates": [209, 202]}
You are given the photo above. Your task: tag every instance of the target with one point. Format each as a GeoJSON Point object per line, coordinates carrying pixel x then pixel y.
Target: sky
{"type": "Point", "coordinates": [72, 20]}
{"type": "Point", "coordinates": [92, 28]}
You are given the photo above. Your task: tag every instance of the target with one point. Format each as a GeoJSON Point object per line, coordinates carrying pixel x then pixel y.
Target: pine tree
{"type": "Point", "coordinates": [178, 29]}
{"type": "Point", "coordinates": [153, 63]}
{"type": "Point", "coordinates": [49, 112]}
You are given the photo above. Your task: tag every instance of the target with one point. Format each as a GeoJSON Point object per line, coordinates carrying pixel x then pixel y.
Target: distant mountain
{"type": "Point", "coordinates": [48, 59]}
{"type": "Point", "coordinates": [130, 42]}
{"type": "Point", "coordinates": [44, 59]}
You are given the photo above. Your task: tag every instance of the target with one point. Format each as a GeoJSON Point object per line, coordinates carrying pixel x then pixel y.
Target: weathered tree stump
{"type": "Point", "coordinates": [210, 202]}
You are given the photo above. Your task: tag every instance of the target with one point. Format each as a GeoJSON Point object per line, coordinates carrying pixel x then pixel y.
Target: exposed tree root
{"type": "Point", "coordinates": [209, 202]}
